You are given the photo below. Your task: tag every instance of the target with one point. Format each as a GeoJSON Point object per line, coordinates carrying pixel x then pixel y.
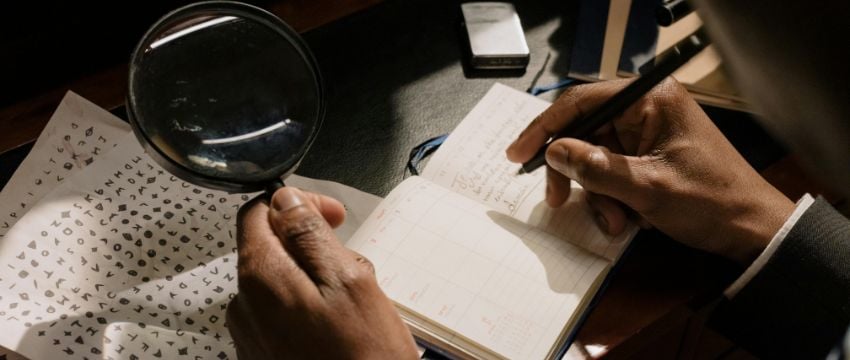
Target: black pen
{"type": "Point", "coordinates": [678, 55]}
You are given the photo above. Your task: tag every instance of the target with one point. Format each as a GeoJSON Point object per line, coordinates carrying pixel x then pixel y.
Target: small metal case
{"type": "Point", "coordinates": [496, 39]}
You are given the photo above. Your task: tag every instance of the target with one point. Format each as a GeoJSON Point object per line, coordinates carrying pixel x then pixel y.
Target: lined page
{"type": "Point", "coordinates": [472, 162]}
{"type": "Point", "coordinates": [502, 284]}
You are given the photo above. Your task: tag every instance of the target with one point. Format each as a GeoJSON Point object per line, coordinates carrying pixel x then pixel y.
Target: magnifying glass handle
{"type": "Point", "coordinates": [271, 188]}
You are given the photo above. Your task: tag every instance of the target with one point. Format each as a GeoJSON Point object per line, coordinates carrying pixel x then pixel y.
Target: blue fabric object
{"type": "Point", "coordinates": [422, 151]}
{"type": "Point", "coordinates": [537, 90]}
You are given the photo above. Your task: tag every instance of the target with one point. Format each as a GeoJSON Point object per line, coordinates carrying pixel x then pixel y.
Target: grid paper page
{"type": "Point", "coordinates": [472, 162]}
{"type": "Point", "coordinates": [502, 284]}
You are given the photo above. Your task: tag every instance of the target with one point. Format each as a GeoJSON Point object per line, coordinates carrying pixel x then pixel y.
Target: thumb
{"type": "Point", "coordinates": [306, 235]}
{"type": "Point", "coordinates": [598, 170]}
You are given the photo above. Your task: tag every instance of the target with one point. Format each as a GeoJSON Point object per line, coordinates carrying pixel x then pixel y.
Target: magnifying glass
{"type": "Point", "coordinates": [225, 95]}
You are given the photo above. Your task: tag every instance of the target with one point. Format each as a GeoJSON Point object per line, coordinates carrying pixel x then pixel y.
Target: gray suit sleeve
{"type": "Point", "coordinates": [798, 305]}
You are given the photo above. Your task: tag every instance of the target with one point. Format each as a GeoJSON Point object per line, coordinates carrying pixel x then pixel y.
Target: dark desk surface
{"type": "Point", "coordinates": [395, 79]}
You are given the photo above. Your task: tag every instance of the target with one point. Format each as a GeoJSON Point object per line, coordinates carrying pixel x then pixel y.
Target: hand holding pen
{"type": "Point", "coordinates": [661, 162]}
{"type": "Point", "coordinates": [589, 122]}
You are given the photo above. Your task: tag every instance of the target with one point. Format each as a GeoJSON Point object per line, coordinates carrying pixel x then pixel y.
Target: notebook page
{"type": "Point", "coordinates": [474, 271]}
{"type": "Point", "coordinates": [472, 162]}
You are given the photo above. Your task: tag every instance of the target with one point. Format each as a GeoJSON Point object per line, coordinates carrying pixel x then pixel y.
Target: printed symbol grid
{"type": "Point", "coordinates": [77, 134]}
{"type": "Point", "coordinates": [136, 264]}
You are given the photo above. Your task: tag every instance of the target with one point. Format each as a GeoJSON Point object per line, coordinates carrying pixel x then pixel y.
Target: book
{"type": "Point", "coordinates": [475, 261]}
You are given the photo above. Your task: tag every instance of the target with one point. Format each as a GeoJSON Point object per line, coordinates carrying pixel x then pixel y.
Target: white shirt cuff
{"type": "Point", "coordinates": [754, 268]}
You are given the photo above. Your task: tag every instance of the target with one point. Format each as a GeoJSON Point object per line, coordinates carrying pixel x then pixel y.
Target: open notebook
{"type": "Point", "coordinates": [472, 256]}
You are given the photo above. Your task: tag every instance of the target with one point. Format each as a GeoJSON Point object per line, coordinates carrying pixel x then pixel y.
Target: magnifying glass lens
{"type": "Point", "coordinates": [226, 98]}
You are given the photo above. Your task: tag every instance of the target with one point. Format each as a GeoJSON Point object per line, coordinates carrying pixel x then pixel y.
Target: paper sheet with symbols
{"type": "Point", "coordinates": [106, 255]}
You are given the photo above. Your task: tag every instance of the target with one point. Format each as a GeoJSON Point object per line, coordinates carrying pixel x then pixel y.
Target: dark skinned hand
{"type": "Point", "coordinates": [663, 162]}
{"type": "Point", "coordinates": [302, 294]}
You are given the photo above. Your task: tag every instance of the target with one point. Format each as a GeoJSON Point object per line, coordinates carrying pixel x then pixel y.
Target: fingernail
{"type": "Point", "coordinates": [602, 222]}
{"type": "Point", "coordinates": [556, 157]}
{"type": "Point", "coordinates": [509, 152]}
{"type": "Point", "coordinates": [286, 199]}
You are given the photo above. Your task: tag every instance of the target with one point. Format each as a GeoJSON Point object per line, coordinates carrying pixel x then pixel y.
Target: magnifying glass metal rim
{"type": "Point", "coordinates": [223, 8]}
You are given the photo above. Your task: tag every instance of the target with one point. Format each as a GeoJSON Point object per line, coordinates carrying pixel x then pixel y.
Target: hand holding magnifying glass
{"type": "Point", "coordinates": [225, 95]}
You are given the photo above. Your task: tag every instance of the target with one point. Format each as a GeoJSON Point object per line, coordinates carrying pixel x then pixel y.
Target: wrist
{"type": "Point", "coordinates": [757, 224]}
